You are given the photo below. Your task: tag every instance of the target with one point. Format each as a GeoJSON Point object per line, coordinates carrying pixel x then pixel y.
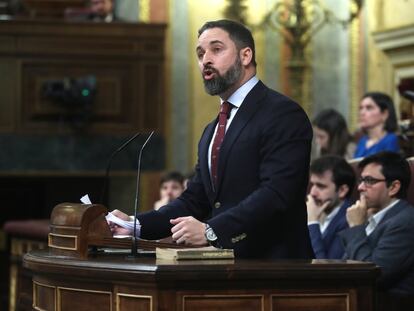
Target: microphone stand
{"type": "Point", "coordinates": [134, 248]}
{"type": "Point", "coordinates": [108, 165]}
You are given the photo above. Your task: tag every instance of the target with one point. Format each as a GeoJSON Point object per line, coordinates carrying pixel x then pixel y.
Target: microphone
{"type": "Point", "coordinates": [408, 95]}
{"type": "Point", "coordinates": [108, 166]}
{"type": "Point", "coordinates": [134, 237]}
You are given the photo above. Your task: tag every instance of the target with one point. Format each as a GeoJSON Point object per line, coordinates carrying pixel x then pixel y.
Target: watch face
{"type": "Point", "coordinates": [210, 235]}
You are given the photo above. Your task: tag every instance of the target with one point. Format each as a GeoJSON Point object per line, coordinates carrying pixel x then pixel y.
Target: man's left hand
{"type": "Point", "coordinates": [188, 231]}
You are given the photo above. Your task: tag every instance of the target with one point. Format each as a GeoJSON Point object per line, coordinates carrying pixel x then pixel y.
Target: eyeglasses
{"type": "Point", "coordinates": [369, 181]}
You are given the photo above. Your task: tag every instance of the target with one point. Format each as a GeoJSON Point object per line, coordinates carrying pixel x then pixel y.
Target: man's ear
{"type": "Point", "coordinates": [394, 188]}
{"type": "Point", "coordinates": [246, 56]}
{"type": "Point", "coordinates": [343, 190]}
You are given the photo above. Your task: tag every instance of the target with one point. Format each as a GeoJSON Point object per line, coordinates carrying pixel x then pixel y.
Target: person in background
{"type": "Point", "coordinates": [171, 187]}
{"type": "Point", "coordinates": [381, 225]}
{"type": "Point", "coordinates": [96, 11]}
{"type": "Point", "coordinates": [332, 135]}
{"type": "Point", "coordinates": [332, 180]}
{"type": "Point", "coordinates": [378, 121]}
{"type": "Point", "coordinates": [101, 10]}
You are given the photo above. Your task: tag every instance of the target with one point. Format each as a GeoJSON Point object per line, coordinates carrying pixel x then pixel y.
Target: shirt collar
{"type": "Point", "coordinates": [237, 98]}
{"type": "Point", "coordinates": [333, 213]}
{"type": "Point", "coordinates": [378, 216]}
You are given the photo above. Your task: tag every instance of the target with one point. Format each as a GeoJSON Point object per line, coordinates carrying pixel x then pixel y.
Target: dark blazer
{"type": "Point", "coordinates": [329, 245]}
{"type": "Point", "coordinates": [390, 246]}
{"type": "Point", "coordinates": [258, 208]}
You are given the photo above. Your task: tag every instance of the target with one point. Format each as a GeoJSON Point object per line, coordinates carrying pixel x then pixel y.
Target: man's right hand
{"type": "Point", "coordinates": [118, 230]}
{"type": "Point", "coordinates": [314, 210]}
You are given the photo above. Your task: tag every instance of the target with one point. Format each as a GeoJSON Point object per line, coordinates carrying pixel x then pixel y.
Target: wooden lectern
{"type": "Point", "coordinates": [70, 277]}
{"type": "Point", "coordinates": [75, 229]}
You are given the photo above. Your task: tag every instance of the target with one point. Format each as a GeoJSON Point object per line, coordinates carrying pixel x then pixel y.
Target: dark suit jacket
{"type": "Point", "coordinates": [390, 246]}
{"type": "Point", "coordinates": [328, 245]}
{"type": "Point", "coordinates": [258, 208]}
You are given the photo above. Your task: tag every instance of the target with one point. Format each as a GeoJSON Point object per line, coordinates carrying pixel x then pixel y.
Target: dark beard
{"type": "Point", "coordinates": [221, 84]}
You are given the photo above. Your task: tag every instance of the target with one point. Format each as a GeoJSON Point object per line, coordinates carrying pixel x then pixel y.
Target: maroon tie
{"type": "Point", "coordinates": [218, 139]}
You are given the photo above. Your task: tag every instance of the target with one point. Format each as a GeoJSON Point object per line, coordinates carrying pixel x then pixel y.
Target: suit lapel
{"type": "Point", "coordinates": [388, 215]}
{"type": "Point", "coordinates": [335, 222]}
{"type": "Point", "coordinates": [250, 105]}
{"type": "Point", "coordinates": [203, 156]}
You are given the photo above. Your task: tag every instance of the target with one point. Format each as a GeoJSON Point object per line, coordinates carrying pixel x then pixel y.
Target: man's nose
{"type": "Point", "coordinates": [313, 191]}
{"type": "Point", "coordinates": [361, 187]}
{"type": "Point", "coordinates": [207, 58]}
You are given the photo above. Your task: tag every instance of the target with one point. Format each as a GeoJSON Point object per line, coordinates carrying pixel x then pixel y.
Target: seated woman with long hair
{"type": "Point", "coordinates": [378, 121]}
{"type": "Point", "coordinates": [332, 135]}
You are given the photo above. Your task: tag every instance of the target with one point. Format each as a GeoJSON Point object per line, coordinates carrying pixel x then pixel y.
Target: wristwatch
{"type": "Point", "coordinates": [211, 237]}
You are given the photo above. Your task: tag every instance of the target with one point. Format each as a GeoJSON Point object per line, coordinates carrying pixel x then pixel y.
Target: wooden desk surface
{"type": "Point", "coordinates": [108, 265]}
{"type": "Point", "coordinates": [115, 282]}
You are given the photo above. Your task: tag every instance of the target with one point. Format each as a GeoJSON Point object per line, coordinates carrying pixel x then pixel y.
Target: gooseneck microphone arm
{"type": "Point", "coordinates": [134, 237]}
{"type": "Point", "coordinates": [108, 165]}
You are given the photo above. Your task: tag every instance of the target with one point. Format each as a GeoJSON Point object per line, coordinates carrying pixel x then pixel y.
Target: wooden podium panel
{"type": "Point", "coordinates": [114, 282]}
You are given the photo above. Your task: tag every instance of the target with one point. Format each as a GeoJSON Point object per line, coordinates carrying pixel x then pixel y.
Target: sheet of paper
{"type": "Point", "coordinates": [120, 222]}
{"type": "Point", "coordinates": [112, 218]}
{"type": "Point", "coordinates": [85, 199]}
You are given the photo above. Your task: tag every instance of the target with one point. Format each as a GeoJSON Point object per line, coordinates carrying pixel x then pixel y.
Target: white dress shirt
{"type": "Point", "coordinates": [375, 219]}
{"type": "Point", "coordinates": [236, 99]}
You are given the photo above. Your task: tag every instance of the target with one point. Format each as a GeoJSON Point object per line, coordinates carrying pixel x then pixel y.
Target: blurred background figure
{"type": "Point", "coordinates": [171, 186]}
{"type": "Point", "coordinates": [96, 11]}
{"type": "Point", "coordinates": [102, 10]}
{"type": "Point", "coordinates": [378, 121]}
{"type": "Point", "coordinates": [331, 135]}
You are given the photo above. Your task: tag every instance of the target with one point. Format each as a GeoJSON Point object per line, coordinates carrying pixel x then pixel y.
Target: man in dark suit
{"type": "Point", "coordinates": [251, 195]}
{"type": "Point", "coordinates": [382, 223]}
{"type": "Point", "coordinates": [332, 180]}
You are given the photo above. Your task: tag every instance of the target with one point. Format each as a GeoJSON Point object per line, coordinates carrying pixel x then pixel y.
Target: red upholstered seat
{"type": "Point", "coordinates": [32, 228]}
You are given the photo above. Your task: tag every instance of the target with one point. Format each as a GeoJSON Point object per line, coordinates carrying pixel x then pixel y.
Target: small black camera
{"type": "Point", "coordinates": [71, 92]}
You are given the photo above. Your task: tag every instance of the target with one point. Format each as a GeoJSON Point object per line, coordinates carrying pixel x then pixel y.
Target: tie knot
{"type": "Point", "coordinates": [226, 108]}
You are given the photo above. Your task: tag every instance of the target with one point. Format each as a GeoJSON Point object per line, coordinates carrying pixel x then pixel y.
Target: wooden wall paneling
{"type": "Point", "coordinates": [223, 302]}
{"type": "Point", "coordinates": [126, 58]}
{"type": "Point", "coordinates": [8, 93]}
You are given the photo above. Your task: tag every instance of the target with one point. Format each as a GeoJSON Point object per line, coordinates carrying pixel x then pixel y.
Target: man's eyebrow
{"type": "Point", "coordinates": [215, 42]}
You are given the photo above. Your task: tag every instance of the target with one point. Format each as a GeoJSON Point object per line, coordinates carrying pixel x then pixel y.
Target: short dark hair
{"type": "Point", "coordinates": [333, 123]}
{"type": "Point", "coordinates": [393, 167]}
{"type": "Point", "coordinates": [239, 34]}
{"type": "Point", "coordinates": [384, 102]}
{"type": "Point", "coordinates": [342, 172]}
{"type": "Point", "coordinates": [172, 176]}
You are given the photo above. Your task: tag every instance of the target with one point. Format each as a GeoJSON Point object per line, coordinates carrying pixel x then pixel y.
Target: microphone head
{"type": "Point", "coordinates": [408, 95]}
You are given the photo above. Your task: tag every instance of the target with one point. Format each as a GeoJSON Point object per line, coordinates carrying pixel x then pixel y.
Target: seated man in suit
{"type": "Point", "coordinates": [331, 182]}
{"type": "Point", "coordinates": [381, 223]}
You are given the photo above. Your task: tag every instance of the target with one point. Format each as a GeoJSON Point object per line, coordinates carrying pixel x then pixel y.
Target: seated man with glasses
{"type": "Point", "coordinates": [381, 224]}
